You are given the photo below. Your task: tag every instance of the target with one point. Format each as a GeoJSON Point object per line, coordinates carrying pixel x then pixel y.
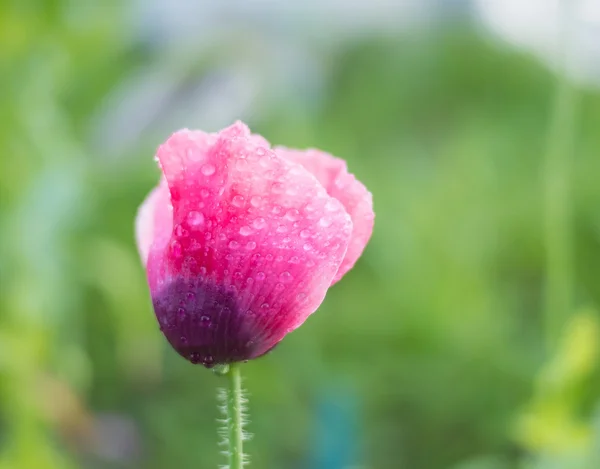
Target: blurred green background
{"type": "Point", "coordinates": [467, 336]}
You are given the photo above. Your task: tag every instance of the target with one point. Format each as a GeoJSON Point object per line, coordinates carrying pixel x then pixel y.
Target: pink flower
{"type": "Point", "coordinates": [241, 241]}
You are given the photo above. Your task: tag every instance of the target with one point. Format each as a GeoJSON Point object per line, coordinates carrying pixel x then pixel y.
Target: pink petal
{"type": "Point", "coordinates": [357, 200]}
{"type": "Point", "coordinates": [256, 242]}
{"type": "Point", "coordinates": [154, 220]}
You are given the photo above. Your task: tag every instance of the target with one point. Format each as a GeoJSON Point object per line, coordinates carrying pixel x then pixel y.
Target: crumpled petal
{"type": "Point", "coordinates": [255, 243]}
{"type": "Point", "coordinates": [333, 174]}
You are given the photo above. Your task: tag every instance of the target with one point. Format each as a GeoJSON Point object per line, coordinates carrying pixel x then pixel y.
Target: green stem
{"type": "Point", "coordinates": [557, 201]}
{"type": "Point", "coordinates": [235, 414]}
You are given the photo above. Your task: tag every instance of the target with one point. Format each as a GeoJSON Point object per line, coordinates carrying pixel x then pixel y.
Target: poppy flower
{"type": "Point", "coordinates": [241, 241]}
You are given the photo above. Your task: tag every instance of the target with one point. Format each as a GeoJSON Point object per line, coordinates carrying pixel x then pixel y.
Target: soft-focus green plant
{"type": "Point", "coordinates": [556, 426]}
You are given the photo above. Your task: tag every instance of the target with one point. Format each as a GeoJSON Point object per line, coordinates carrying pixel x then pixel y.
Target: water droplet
{"type": "Point", "coordinates": [176, 250]}
{"type": "Point", "coordinates": [208, 361]}
{"type": "Point", "coordinates": [246, 231]}
{"type": "Point", "coordinates": [181, 313]}
{"type": "Point", "coordinates": [255, 201]}
{"type": "Point", "coordinates": [208, 169]}
{"type": "Point", "coordinates": [249, 280]}
{"type": "Point", "coordinates": [279, 286]}
{"type": "Point", "coordinates": [301, 296]}
{"type": "Point", "coordinates": [307, 247]}
{"type": "Point", "coordinates": [269, 257]}
{"type": "Point", "coordinates": [207, 236]}
{"type": "Point", "coordinates": [294, 260]}
{"type": "Point", "coordinates": [264, 306]}
{"type": "Point", "coordinates": [237, 201]}
{"type": "Point", "coordinates": [191, 296]}
{"type": "Point", "coordinates": [194, 357]}
{"type": "Point", "coordinates": [276, 209]}
{"type": "Point", "coordinates": [203, 270]}
{"type": "Point", "coordinates": [233, 244]}
{"type": "Point", "coordinates": [195, 218]}
{"type": "Point", "coordinates": [180, 231]}
{"type": "Point", "coordinates": [251, 245]}
{"type": "Point", "coordinates": [310, 208]}
{"type": "Point", "coordinates": [277, 188]}
{"type": "Point", "coordinates": [325, 221]}
{"type": "Point", "coordinates": [305, 234]}
{"type": "Point", "coordinates": [205, 320]}
{"type": "Point", "coordinates": [259, 223]}
{"type": "Point", "coordinates": [260, 276]}
{"type": "Point", "coordinates": [286, 277]}
{"type": "Point", "coordinates": [183, 339]}
{"type": "Point", "coordinates": [281, 229]}
{"type": "Point", "coordinates": [204, 193]}
{"type": "Point", "coordinates": [286, 240]}
{"type": "Point", "coordinates": [292, 214]}
{"type": "Point", "coordinates": [331, 206]}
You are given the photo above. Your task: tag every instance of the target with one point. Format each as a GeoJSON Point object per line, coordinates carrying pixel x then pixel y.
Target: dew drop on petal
{"type": "Point", "coordinates": [205, 320]}
{"type": "Point", "coordinates": [286, 277]}
{"type": "Point", "coordinates": [176, 249]}
{"type": "Point", "coordinates": [325, 221]}
{"type": "Point", "coordinates": [292, 215]}
{"type": "Point", "coordinates": [180, 231]}
{"type": "Point", "coordinates": [307, 247]}
{"type": "Point", "coordinates": [305, 234]}
{"type": "Point", "coordinates": [195, 218]}
{"type": "Point", "coordinates": [259, 223]}
{"type": "Point", "coordinates": [208, 169]}
{"type": "Point", "coordinates": [194, 357]}
{"type": "Point", "coordinates": [281, 229]}
{"type": "Point", "coordinates": [246, 231]}
{"type": "Point", "coordinates": [237, 201]}
{"type": "Point", "coordinates": [255, 201]}
{"type": "Point", "coordinates": [330, 205]}
{"type": "Point", "coordinates": [251, 245]}
{"type": "Point", "coordinates": [181, 313]}
{"type": "Point", "coordinates": [234, 244]}
{"type": "Point", "coordinates": [260, 276]}
{"type": "Point", "coordinates": [183, 339]}
{"type": "Point", "coordinates": [301, 296]}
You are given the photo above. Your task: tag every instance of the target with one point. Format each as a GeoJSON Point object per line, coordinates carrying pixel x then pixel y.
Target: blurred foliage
{"type": "Point", "coordinates": [432, 345]}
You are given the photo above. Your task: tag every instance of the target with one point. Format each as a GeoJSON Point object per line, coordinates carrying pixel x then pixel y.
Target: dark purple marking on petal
{"type": "Point", "coordinates": [204, 324]}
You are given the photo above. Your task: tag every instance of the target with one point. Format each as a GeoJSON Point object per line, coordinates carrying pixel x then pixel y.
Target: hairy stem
{"type": "Point", "coordinates": [233, 407]}
{"type": "Point", "coordinates": [235, 410]}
